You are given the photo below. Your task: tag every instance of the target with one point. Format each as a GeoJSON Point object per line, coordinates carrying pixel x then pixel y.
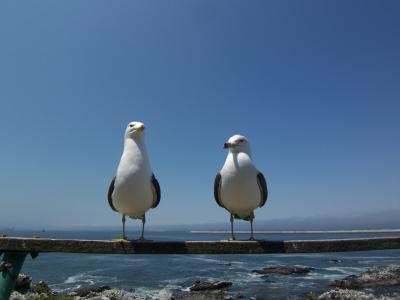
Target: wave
{"type": "Point", "coordinates": [209, 260]}
{"type": "Point", "coordinates": [394, 261]}
{"type": "Point", "coordinates": [76, 281]}
{"type": "Point", "coordinates": [247, 277]}
{"type": "Point", "coordinates": [345, 270]}
{"type": "Point", "coordinates": [375, 257]}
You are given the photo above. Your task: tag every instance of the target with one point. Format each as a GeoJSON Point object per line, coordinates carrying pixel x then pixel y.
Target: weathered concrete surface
{"type": "Point", "coordinates": [375, 277]}
{"type": "Point", "coordinates": [35, 245]}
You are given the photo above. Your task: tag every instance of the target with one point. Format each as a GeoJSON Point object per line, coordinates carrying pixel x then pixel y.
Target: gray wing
{"type": "Point", "coordinates": [110, 191]}
{"type": "Point", "coordinates": [217, 187]}
{"type": "Point", "coordinates": [156, 191]}
{"type": "Point", "coordinates": [262, 184]}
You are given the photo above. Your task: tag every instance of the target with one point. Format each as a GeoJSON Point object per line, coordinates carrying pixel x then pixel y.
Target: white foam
{"type": "Point", "coordinates": [346, 270]}
{"type": "Point", "coordinates": [78, 278]}
{"type": "Point", "coordinates": [81, 279]}
{"type": "Point", "coordinates": [209, 260]}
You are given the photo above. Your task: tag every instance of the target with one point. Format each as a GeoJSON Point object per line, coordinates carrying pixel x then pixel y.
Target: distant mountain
{"type": "Point", "coordinates": [376, 220]}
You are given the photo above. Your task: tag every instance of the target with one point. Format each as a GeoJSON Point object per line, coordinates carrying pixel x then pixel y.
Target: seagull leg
{"type": "Point", "coordinates": [251, 219]}
{"type": "Point", "coordinates": [123, 238]}
{"type": "Point", "coordinates": [251, 229]}
{"type": "Point", "coordinates": [232, 238]}
{"type": "Point", "coordinates": [123, 227]}
{"type": "Point", "coordinates": [143, 222]}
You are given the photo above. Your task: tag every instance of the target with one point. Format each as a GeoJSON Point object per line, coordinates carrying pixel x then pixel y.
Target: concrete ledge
{"type": "Point", "coordinates": [196, 247]}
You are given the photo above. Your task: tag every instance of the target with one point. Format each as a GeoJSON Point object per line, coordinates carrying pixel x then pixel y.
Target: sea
{"type": "Point", "coordinates": [158, 275]}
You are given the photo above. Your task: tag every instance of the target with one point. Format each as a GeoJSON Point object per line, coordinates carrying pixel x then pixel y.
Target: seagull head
{"type": "Point", "coordinates": [238, 143]}
{"type": "Point", "coordinates": [134, 130]}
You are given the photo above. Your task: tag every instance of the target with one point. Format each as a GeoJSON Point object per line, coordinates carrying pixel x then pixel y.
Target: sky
{"type": "Point", "coordinates": [314, 85]}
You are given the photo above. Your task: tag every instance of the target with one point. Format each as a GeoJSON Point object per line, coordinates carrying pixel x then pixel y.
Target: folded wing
{"type": "Point", "coordinates": [217, 188]}
{"type": "Point", "coordinates": [262, 184]}
{"type": "Point", "coordinates": [110, 192]}
{"type": "Point", "coordinates": [155, 186]}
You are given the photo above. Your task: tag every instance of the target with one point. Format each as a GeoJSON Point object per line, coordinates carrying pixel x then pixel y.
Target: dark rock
{"type": "Point", "coordinates": [376, 277]}
{"type": "Point", "coordinates": [201, 286]}
{"type": "Point", "coordinates": [23, 283]}
{"type": "Point", "coordinates": [284, 270]}
{"type": "Point", "coordinates": [84, 291]}
{"type": "Point", "coordinates": [202, 295]}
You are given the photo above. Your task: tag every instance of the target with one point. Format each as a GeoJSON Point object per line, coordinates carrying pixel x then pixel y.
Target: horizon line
{"type": "Point", "coordinates": [351, 231]}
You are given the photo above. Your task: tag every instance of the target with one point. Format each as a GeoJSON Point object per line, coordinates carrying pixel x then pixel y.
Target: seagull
{"type": "Point", "coordinates": [239, 187]}
{"type": "Point", "coordinates": [134, 189]}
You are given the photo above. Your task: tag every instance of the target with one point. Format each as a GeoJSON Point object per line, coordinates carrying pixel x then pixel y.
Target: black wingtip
{"type": "Point", "coordinates": [110, 192]}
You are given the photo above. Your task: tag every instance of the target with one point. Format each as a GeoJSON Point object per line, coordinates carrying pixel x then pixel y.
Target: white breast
{"type": "Point", "coordinates": [132, 190]}
{"type": "Point", "coordinates": [239, 193]}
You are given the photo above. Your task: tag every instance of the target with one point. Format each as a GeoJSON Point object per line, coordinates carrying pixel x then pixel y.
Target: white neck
{"type": "Point", "coordinates": [243, 150]}
{"type": "Point", "coordinates": [135, 151]}
{"type": "Point", "coordinates": [238, 160]}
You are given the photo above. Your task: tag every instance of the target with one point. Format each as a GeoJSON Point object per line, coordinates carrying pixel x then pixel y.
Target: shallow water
{"type": "Point", "coordinates": [156, 274]}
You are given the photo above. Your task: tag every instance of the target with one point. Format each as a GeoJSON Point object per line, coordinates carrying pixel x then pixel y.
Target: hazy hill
{"type": "Point", "coordinates": [377, 220]}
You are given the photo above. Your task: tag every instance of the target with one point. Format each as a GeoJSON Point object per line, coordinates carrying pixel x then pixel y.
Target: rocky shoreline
{"type": "Point", "coordinates": [350, 287]}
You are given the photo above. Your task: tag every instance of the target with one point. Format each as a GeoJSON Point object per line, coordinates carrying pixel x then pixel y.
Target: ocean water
{"type": "Point", "coordinates": [155, 275]}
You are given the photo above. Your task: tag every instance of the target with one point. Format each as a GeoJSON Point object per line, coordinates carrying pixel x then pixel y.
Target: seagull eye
{"type": "Point", "coordinates": [241, 140]}
{"type": "Point", "coordinates": [130, 125]}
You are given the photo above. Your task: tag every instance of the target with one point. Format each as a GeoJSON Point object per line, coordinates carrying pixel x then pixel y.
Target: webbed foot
{"type": "Point", "coordinates": [121, 239]}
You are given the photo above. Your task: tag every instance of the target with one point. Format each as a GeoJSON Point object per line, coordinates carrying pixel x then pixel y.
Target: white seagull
{"type": "Point", "coordinates": [134, 190]}
{"type": "Point", "coordinates": [239, 187]}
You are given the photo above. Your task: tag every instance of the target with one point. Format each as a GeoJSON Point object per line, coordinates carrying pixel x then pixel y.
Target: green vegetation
{"type": "Point", "coordinates": [44, 296]}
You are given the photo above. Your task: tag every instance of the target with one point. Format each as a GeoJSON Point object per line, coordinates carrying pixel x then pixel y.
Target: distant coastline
{"type": "Point", "coordinates": [357, 231]}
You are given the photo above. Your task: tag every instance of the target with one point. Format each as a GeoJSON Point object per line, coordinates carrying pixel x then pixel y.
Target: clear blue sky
{"type": "Point", "coordinates": [314, 85]}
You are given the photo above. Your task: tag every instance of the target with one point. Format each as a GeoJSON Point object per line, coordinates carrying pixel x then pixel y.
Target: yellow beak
{"type": "Point", "coordinates": [228, 145]}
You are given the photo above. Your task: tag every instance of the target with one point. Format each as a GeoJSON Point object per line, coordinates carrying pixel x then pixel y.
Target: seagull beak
{"type": "Point", "coordinates": [141, 127]}
{"type": "Point", "coordinates": [227, 145]}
